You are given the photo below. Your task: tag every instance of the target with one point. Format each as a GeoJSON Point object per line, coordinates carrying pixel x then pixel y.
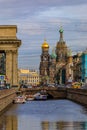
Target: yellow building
{"type": "Point", "coordinates": [28, 77]}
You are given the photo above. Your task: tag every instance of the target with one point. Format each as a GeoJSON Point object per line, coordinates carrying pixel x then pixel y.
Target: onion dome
{"type": "Point", "coordinates": [53, 55]}
{"type": "Point", "coordinates": [45, 44]}
{"type": "Point", "coordinates": [61, 30]}
{"type": "Point", "coordinates": [61, 35]}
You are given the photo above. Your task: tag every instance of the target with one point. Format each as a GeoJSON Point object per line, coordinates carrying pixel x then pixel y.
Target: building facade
{"type": "Point", "coordinates": [61, 67]}
{"type": "Point", "coordinates": [54, 68]}
{"type": "Point", "coordinates": [28, 77]}
{"type": "Point", "coordinates": [84, 66]}
{"type": "Point", "coordinates": [9, 44]}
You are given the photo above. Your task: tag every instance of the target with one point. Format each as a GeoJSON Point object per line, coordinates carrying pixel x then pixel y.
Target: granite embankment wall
{"type": "Point", "coordinates": [77, 95]}
{"type": "Point", "coordinates": [6, 98]}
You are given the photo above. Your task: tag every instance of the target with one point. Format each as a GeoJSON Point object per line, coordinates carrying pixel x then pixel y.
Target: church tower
{"type": "Point", "coordinates": [61, 48]}
{"type": "Point", "coordinates": [61, 60]}
{"type": "Point", "coordinates": [52, 68]}
{"type": "Point", "coordinates": [44, 64]}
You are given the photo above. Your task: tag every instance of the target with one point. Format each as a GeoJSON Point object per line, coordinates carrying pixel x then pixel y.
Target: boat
{"type": "Point", "coordinates": [19, 99]}
{"type": "Point", "coordinates": [29, 97]}
{"type": "Point", "coordinates": [39, 96]}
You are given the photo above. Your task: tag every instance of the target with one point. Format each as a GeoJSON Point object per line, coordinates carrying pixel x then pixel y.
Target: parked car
{"type": "Point", "coordinates": [76, 85]}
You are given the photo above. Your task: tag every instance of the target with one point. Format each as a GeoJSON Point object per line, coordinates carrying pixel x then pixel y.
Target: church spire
{"type": "Point", "coordinates": [61, 34]}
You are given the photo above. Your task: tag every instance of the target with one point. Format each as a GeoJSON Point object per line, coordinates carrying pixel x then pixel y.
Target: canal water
{"type": "Point", "coordinates": [45, 115]}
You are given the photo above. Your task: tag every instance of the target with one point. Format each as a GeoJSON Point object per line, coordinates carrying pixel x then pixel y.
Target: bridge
{"type": "Point", "coordinates": [52, 92]}
{"type": "Point", "coordinates": [77, 95]}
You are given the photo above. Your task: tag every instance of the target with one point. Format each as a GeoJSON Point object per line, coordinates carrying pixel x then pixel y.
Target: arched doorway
{"type": "Point", "coordinates": [63, 76]}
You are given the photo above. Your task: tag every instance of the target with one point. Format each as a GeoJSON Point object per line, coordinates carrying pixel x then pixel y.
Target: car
{"type": "Point", "coordinates": [76, 85]}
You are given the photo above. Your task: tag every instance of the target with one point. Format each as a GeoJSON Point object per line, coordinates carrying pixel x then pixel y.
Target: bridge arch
{"type": "Point", "coordinates": [50, 96]}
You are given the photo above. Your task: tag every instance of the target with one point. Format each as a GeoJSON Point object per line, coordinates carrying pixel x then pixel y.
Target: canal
{"type": "Point", "coordinates": [45, 115]}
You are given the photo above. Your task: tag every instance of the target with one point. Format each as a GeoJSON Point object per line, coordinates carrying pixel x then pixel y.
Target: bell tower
{"type": "Point", "coordinates": [45, 61]}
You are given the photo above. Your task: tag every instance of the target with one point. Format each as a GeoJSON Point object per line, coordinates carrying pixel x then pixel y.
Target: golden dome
{"type": "Point", "coordinates": [45, 44]}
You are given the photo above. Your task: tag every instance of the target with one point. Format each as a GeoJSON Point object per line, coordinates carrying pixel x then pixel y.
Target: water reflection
{"type": "Point", "coordinates": [25, 123]}
{"type": "Point", "coordinates": [1, 123]}
{"type": "Point", "coordinates": [14, 123]}
{"type": "Point", "coordinates": [11, 123]}
{"type": "Point", "coordinates": [48, 115]}
{"type": "Point", "coordinates": [8, 123]}
{"type": "Point", "coordinates": [64, 125]}
{"type": "Point", "coordinates": [84, 110]}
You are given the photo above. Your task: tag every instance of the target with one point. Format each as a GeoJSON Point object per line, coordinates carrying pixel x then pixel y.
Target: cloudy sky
{"type": "Point", "coordinates": [40, 19]}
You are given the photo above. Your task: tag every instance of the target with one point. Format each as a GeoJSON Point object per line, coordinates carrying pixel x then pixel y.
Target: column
{"type": "Point", "coordinates": [9, 68]}
{"type": "Point", "coordinates": [15, 67]}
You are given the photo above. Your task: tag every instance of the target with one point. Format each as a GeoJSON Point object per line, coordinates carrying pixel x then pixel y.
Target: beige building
{"type": "Point", "coordinates": [29, 77]}
{"type": "Point", "coordinates": [9, 44]}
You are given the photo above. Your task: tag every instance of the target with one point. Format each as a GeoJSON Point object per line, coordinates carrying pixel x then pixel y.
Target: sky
{"type": "Point", "coordinates": [37, 20]}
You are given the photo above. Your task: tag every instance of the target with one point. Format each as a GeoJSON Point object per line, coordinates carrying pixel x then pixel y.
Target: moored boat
{"type": "Point", "coordinates": [39, 96]}
{"type": "Point", "coordinates": [19, 99]}
{"type": "Point", "coordinates": [29, 97]}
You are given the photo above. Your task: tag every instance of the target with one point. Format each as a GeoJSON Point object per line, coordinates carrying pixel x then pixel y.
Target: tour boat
{"type": "Point", "coordinates": [29, 97]}
{"type": "Point", "coordinates": [19, 99]}
{"type": "Point", "coordinates": [39, 96]}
